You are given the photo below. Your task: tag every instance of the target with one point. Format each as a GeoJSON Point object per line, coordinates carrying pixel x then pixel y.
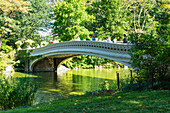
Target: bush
{"type": "Point", "coordinates": [6, 55]}
{"type": "Point", "coordinates": [158, 85]}
{"type": "Point", "coordinates": [15, 93]}
{"type": "Point", "coordinates": [137, 86]}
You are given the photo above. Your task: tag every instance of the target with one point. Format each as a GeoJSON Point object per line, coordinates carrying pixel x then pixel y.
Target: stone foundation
{"type": "Point", "coordinates": [44, 65]}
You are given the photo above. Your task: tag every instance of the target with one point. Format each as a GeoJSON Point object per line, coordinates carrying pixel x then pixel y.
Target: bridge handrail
{"type": "Point", "coordinates": [122, 48]}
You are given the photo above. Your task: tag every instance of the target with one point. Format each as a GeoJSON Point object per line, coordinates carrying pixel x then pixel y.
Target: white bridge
{"type": "Point", "coordinates": [53, 54]}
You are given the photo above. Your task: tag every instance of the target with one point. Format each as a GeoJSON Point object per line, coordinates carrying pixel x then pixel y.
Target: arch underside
{"type": "Point", "coordinates": [63, 55]}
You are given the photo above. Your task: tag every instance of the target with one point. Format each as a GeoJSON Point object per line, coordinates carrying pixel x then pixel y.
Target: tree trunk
{"type": "Point", "coordinates": [152, 78]}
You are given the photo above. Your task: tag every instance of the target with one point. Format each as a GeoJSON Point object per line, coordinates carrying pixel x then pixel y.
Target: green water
{"type": "Point", "coordinates": [77, 82]}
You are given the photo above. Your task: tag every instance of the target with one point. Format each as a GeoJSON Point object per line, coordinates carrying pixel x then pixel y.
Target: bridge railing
{"type": "Point", "coordinates": [121, 48]}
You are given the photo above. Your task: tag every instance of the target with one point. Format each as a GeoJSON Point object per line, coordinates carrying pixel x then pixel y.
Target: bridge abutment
{"type": "Point", "coordinates": [47, 64]}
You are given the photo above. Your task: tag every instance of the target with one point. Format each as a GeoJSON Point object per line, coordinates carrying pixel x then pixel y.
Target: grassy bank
{"type": "Point", "coordinates": [123, 102]}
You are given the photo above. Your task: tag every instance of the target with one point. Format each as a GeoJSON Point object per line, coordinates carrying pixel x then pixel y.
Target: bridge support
{"type": "Point", "coordinates": [47, 64]}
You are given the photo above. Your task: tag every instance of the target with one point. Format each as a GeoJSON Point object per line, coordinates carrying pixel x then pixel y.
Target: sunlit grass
{"type": "Point", "coordinates": [132, 101]}
{"type": "Point", "coordinates": [123, 102]}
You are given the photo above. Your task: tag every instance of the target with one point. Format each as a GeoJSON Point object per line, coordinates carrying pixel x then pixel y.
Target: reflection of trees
{"type": "Point", "coordinates": [86, 83]}
{"type": "Point", "coordinates": [65, 84]}
{"type": "Point", "coordinates": [81, 81]}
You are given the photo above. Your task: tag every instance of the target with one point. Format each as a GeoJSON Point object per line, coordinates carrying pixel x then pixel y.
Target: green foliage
{"type": "Point", "coordinates": [24, 60]}
{"type": "Point", "coordinates": [139, 86]}
{"type": "Point", "coordinates": [6, 55]}
{"type": "Point", "coordinates": [32, 22]}
{"type": "Point", "coordinates": [105, 85]}
{"type": "Point", "coordinates": [9, 14]}
{"type": "Point", "coordinates": [22, 56]}
{"type": "Point", "coordinates": [86, 61]}
{"type": "Point", "coordinates": [3, 63]}
{"type": "Point", "coordinates": [22, 21]}
{"type": "Point", "coordinates": [48, 38]}
{"type": "Point", "coordinates": [5, 47]}
{"type": "Point", "coordinates": [111, 18]}
{"type": "Point", "coordinates": [146, 23]}
{"type": "Point", "coordinates": [70, 19]}
{"type": "Point", "coordinates": [38, 17]}
{"type": "Point", "coordinates": [150, 55]}
{"type": "Point", "coordinates": [15, 93]}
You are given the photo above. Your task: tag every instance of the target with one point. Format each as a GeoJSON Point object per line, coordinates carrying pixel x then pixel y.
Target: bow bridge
{"type": "Point", "coordinates": [53, 54]}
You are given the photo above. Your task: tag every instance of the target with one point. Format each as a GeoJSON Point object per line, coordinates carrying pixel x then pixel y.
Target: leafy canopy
{"type": "Point", "coordinates": [10, 11]}
{"type": "Point", "coordinates": [70, 19]}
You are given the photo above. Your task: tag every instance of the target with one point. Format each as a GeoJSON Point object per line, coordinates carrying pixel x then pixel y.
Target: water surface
{"type": "Point", "coordinates": [78, 82]}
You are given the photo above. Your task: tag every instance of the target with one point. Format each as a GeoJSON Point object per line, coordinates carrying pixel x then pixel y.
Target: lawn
{"type": "Point", "coordinates": [123, 102]}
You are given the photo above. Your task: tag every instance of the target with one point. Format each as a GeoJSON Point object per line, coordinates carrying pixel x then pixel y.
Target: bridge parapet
{"type": "Point", "coordinates": [120, 48]}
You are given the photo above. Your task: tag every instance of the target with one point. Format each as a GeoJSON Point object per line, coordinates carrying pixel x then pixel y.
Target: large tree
{"type": "Point", "coordinates": [21, 20]}
{"type": "Point", "coordinates": [10, 11]}
{"type": "Point", "coordinates": [150, 36]}
{"type": "Point", "coordinates": [35, 20]}
{"type": "Point", "coordinates": [111, 18]}
{"type": "Point", "coordinates": [70, 19]}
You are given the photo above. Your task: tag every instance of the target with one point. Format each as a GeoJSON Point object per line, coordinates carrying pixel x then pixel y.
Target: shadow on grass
{"type": "Point", "coordinates": [145, 101]}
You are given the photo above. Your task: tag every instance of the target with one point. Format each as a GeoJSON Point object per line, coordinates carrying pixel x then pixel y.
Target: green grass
{"type": "Point", "coordinates": [123, 102]}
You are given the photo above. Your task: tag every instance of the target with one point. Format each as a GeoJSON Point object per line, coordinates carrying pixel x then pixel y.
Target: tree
{"type": "Point", "coordinates": [35, 20]}
{"type": "Point", "coordinates": [21, 19]}
{"type": "Point", "coordinates": [111, 18]}
{"type": "Point", "coordinates": [150, 36]}
{"type": "Point", "coordinates": [70, 19]}
{"type": "Point", "coordinates": [10, 10]}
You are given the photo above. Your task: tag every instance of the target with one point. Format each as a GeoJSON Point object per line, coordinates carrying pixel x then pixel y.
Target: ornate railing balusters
{"type": "Point", "coordinates": [119, 48]}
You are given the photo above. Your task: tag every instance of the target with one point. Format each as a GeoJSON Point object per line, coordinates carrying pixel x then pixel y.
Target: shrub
{"type": "Point", "coordinates": [6, 55]}
{"type": "Point", "coordinates": [15, 93]}
{"type": "Point", "coordinates": [158, 85]}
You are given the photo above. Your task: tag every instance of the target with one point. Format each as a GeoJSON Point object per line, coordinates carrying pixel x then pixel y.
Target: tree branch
{"type": "Point", "coordinates": [143, 25]}
{"type": "Point", "coordinates": [139, 18]}
{"type": "Point", "coordinates": [134, 19]}
{"type": "Point", "coordinates": [128, 5]}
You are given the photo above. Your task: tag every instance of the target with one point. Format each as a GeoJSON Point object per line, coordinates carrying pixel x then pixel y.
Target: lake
{"type": "Point", "coordinates": [77, 82]}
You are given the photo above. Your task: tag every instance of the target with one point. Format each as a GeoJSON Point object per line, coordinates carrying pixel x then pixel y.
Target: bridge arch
{"type": "Point", "coordinates": [54, 54]}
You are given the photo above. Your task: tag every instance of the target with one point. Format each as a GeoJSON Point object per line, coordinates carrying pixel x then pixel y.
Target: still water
{"type": "Point", "coordinates": [77, 82]}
